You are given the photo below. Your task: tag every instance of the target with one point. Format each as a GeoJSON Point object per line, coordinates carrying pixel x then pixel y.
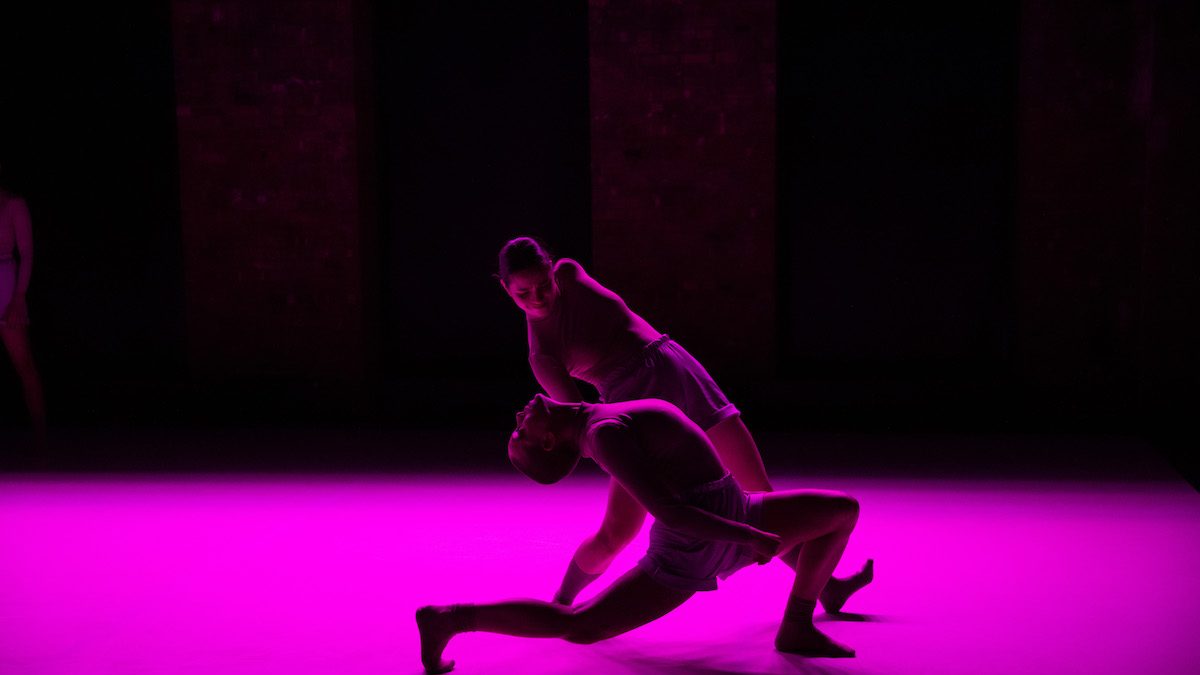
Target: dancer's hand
{"type": "Point", "coordinates": [765, 546]}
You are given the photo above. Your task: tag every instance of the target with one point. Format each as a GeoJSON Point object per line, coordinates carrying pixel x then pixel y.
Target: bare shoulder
{"type": "Point", "coordinates": [609, 434]}
{"type": "Point", "coordinates": [569, 270]}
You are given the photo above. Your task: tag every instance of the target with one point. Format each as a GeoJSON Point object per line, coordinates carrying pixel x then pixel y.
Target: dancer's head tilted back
{"type": "Point", "coordinates": [526, 273]}
{"type": "Point", "coordinates": [544, 445]}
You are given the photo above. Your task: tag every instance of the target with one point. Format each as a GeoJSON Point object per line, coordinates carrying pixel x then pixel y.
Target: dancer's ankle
{"type": "Point", "coordinates": [799, 610]}
{"type": "Point", "coordinates": [462, 618]}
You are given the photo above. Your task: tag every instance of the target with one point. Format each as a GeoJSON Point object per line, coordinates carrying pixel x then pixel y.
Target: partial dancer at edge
{"type": "Point", "coordinates": [705, 527]}
{"type": "Point", "coordinates": [16, 267]}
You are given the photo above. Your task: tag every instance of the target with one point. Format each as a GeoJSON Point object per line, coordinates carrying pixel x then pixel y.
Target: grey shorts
{"type": "Point", "coordinates": [682, 562]}
{"type": "Point", "coordinates": [666, 371]}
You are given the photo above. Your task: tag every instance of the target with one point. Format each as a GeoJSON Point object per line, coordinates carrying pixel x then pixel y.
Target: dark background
{"type": "Point", "coordinates": [898, 156]}
{"type": "Point", "coordinates": [286, 216]}
{"type": "Point", "coordinates": [484, 135]}
{"type": "Point", "coordinates": [87, 135]}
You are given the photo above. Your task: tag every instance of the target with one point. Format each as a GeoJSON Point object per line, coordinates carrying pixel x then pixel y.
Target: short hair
{"type": "Point", "coordinates": [523, 253]}
{"type": "Point", "coordinates": [545, 467]}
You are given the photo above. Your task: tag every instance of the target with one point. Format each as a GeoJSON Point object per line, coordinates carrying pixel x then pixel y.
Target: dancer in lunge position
{"type": "Point", "coordinates": [705, 527]}
{"type": "Point", "coordinates": [579, 329]}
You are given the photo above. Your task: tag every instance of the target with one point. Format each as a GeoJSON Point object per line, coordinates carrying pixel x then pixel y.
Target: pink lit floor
{"type": "Point", "coordinates": [260, 574]}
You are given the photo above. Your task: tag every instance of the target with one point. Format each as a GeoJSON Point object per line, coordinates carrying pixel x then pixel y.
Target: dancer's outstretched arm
{"type": "Point", "coordinates": [701, 524]}
{"type": "Point", "coordinates": [623, 518]}
{"type": "Point", "coordinates": [552, 375]}
{"type": "Point", "coordinates": [633, 469]}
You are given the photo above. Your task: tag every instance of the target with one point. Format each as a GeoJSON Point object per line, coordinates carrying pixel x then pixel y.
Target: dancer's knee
{"type": "Point", "coordinates": [613, 538]}
{"type": "Point", "coordinates": [581, 630]}
{"type": "Point", "coordinates": [584, 637]}
{"type": "Point", "coordinates": [849, 508]}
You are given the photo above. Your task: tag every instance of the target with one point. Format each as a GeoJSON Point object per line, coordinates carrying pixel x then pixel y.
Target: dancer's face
{"type": "Point", "coordinates": [534, 447]}
{"type": "Point", "coordinates": [533, 422]}
{"type": "Point", "coordinates": [533, 290]}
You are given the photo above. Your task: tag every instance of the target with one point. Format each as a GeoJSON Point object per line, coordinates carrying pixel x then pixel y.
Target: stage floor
{"type": "Point", "coordinates": [321, 574]}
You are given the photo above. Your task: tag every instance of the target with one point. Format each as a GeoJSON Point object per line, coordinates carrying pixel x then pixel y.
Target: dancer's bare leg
{"type": "Point", "coordinates": [837, 590]}
{"type": "Point", "coordinates": [822, 521]}
{"type": "Point", "coordinates": [633, 600]}
{"type": "Point", "coordinates": [16, 343]}
{"type": "Point", "coordinates": [623, 520]}
{"type": "Point", "coordinates": [739, 453]}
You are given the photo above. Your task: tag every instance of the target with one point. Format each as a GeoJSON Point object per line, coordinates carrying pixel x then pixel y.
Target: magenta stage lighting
{"type": "Point", "coordinates": [300, 575]}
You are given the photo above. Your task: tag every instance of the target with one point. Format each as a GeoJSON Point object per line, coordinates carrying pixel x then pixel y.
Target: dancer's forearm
{"type": "Point", "coordinates": [704, 525]}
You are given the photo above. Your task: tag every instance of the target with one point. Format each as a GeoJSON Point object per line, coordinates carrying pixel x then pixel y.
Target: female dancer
{"type": "Point", "coordinates": [580, 329]}
{"type": "Point", "coordinates": [16, 263]}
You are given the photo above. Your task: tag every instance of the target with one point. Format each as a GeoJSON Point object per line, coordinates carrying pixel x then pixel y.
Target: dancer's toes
{"type": "Point", "coordinates": [838, 591]}
{"type": "Point", "coordinates": [436, 628]}
{"type": "Point", "coordinates": [868, 570]}
{"type": "Point", "coordinates": [867, 574]}
{"type": "Point", "coordinates": [804, 639]}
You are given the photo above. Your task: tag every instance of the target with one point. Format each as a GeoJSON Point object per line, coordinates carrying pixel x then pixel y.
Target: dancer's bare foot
{"type": "Point", "coordinates": [838, 591]}
{"type": "Point", "coordinates": [437, 627]}
{"type": "Point", "coordinates": [803, 638]}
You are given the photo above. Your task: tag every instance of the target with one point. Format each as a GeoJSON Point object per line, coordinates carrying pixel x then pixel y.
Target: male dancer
{"type": "Point", "coordinates": [705, 527]}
